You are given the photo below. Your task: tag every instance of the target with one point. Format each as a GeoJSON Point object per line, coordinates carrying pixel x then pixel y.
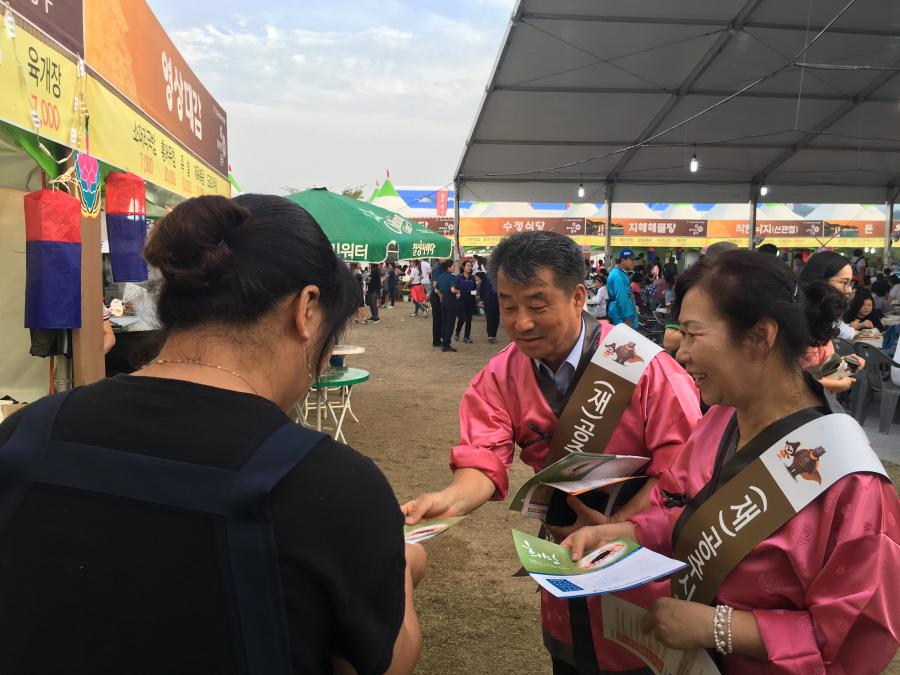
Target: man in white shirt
{"type": "Point", "coordinates": [425, 270]}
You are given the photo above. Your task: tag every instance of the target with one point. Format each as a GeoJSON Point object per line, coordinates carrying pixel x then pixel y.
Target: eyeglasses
{"type": "Point", "coordinates": [843, 283]}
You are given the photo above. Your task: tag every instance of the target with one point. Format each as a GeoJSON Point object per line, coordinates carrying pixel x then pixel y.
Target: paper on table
{"type": "Point", "coordinates": [622, 625]}
{"type": "Point", "coordinates": [615, 566]}
{"type": "Point", "coordinates": [415, 534]}
{"type": "Point", "coordinates": [576, 473]}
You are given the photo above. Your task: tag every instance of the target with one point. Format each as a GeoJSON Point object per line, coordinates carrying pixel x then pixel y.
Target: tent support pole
{"type": "Point", "coordinates": [888, 229]}
{"type": "Point", "coordinates": [751, 243]}
{"type": "Point", "coordinates": [607, 252]}
{"type": "Point", "coordinates": [456, 248]}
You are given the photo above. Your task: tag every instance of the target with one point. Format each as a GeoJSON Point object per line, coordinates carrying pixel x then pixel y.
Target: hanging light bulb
{"type": "Point", "coordinates": [763, 191]}
{"type": "Point", "coordinates": [581, 190]}
{"type": "Point", "coordinates": [695, 165]}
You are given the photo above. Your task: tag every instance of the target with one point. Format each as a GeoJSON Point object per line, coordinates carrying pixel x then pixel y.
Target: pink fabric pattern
{"type": "Point", "coordinates": [824, 588]}
{"type": "Point", "coordinates": [503, 405]}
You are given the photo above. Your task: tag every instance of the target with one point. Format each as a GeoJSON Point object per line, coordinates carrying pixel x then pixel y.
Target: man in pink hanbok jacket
{"type": "Point", "coordinates": [516, 400]}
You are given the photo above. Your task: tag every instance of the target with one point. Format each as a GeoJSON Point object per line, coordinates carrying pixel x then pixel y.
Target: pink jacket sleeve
{"type": "Point", "coordinates": [652, 526]}
{"type": "Point", "coordinates": [671, 409]}
{"type": "Point", "coordinates": [852, 617]}
{"type": "Point", "coordinates": [486, 433]}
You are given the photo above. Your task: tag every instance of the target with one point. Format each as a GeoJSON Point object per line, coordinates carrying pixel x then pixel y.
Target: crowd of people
{"type": "Point", "coordinates": [208, 533]}
{"type": "Point", "coordinates": [452, 296]}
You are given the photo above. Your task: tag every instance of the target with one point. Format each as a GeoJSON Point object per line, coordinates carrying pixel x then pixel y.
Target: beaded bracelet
{"type": "Point", "coordinates": [722, 633]}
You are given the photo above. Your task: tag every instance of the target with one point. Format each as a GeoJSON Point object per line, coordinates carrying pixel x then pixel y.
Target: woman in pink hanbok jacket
{"type": "Point", "coordinates": [515, 401]}
{"type": "Point", "coordinates": [820, 594]}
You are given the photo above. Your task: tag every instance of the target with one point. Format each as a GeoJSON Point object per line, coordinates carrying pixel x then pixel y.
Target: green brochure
{"type": "Point", "coordinates": [427, 529]}
{"type": "Point", "coordinates": [613, 566]}
{"type": "Point", "coordinates": [576, 473]}
{"type": "Point", "coordinates": [544, 557]}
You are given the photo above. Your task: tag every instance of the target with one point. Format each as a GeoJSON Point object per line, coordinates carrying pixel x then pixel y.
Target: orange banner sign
{"type": "Point", "coordinates": [126, 46]}
{"type": "Point", "coordinates": [469, 227]}
{"type": "Point", "coordinates": [736, 229]}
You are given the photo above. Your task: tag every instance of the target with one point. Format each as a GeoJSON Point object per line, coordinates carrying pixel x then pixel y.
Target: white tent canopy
{"type": "Point", "coordinates": [613, 93]}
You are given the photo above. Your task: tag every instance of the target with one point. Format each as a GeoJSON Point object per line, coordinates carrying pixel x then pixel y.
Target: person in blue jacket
{"type": "Point", "coordinates": [621, 299]}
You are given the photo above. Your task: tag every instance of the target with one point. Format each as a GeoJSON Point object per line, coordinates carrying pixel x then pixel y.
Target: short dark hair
{"type": "Point", "coordinates": [230, 261]}
{"type": "Point", "coordinates": [881, 288]}
{"type": "Point", "coordinates": [770, 249]}
{"type": "Point", "coordinates": [445, 265]}
{"type": "Point", "coordinates": [822, 266]}
{"type": "Point", "coordinates": [858, 252]}
{"type": "Point", "coordinates": [856, 304]}
{"type": "Point", "coordinates": [521, 255]}
{"type": "Point", "coordinates": [746, 288]}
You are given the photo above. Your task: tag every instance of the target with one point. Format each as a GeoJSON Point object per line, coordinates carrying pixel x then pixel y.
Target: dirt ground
{"type": "Point", "coordinates": [476, 617]}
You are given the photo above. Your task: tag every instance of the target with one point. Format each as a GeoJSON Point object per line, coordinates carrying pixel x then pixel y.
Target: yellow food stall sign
{"type": "Point", "coordinates": [40, 87]}
{"type": "Point", "coordinates": [121, 136]}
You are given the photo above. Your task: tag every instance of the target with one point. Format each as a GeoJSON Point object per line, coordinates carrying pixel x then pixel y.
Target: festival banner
{"type": "Point", "coordinates": [789, 229]}
{"type": "Point", "coordinates": [682, 229]}
{"type": "Point", "coordinates": [128, 48]}
{"type": "Point", "coordinates": [39, 85]}
{"type": "Point", "coordinates": [442, 201]}
{"type": "Point", "coordinates": [62, 20]}
{"type": "Point", "coordinates": [126, 139]}
{"type": "Point", "coordinates": [440, 225]}
{"type": "Point", "coordinates": [860, 229]}
{"type": "Point", "coordinates": [501, 227]}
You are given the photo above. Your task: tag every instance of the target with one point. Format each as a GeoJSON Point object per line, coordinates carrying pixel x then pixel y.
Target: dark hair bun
{"type": "Point", "coordinates": [193, 246]}
{"type": "Point", "coordinates": [824, 305]}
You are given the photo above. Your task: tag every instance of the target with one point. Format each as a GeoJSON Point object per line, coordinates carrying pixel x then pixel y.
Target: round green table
{"type": "Point", "coordinates": [342, 379]}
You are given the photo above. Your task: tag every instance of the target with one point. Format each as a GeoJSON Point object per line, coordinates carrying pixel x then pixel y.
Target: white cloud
{"type": "Point", "coordinates": [400, 92]}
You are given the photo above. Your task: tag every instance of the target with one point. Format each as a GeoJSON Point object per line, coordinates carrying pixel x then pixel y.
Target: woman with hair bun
{"type": "Point", "coordinates": [177, 520]}
{"type": "Point", "coordinates": [784, 515]}
{"type": "Point", "coordinates": [835, 270]}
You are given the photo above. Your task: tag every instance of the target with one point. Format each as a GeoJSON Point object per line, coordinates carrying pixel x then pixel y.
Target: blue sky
{"type": "Point", "coordinates": [335, 92]}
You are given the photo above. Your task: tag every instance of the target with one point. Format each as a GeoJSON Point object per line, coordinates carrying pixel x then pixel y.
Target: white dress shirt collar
{"type": "Point", "coordinates": [563, 375]}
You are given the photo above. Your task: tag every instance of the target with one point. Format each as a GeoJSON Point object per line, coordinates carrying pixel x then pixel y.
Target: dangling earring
{"type": "Point", "coordinates": [308, 369]}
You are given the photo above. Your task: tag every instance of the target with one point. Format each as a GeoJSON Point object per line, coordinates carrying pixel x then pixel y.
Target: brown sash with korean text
{"type": "Point", "coordinates": [602, 392]}
{"type": "Point", "coordinates": [752, 493]}
{"type": "Point", "coordinates": [588, 412]}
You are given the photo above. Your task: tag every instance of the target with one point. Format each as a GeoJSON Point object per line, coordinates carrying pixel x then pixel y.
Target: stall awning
{"type": "Point", "coordinates": [608, 91]}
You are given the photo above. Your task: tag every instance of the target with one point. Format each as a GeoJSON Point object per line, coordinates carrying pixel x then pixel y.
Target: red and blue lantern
{"type": "Point", "coordinates": [126, 226]}
{"type": "Point", "coordinates": [52, 260]}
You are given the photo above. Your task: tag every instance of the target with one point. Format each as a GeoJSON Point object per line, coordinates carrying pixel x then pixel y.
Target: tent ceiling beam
{"type": "Point", "coordinates": [715, 93]}
{"type": "Point", "coordinates": [700, 144]}
{"type": "Point", "coordinates": [863, 96]}
{"type": "Point", "coordinates": [696, 73]}
{"type": "Point", "coordinates": [573, 180]}
{"type": "Point", "coordinates": [704, 23]}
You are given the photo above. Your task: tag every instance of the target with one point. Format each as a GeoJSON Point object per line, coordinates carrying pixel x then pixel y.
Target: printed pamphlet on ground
{"type": "Point", "coordinates": [615, 566]}
{"type": "Point", "coordinates": [622, 625]}
{"type": "Point", "coordinates": [576, 473]}
{"type": "Point", "coordinates": [427, 529]}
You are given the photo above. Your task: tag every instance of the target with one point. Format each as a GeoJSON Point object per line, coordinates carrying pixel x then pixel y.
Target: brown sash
{"type": "Point", "coordinates": [752, 493]}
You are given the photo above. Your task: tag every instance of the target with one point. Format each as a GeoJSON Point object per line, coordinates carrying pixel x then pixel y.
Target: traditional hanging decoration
{"type": "Point", "coordinates": [126, 226]}
{"type": "Point", "coordinates": [52, 260]}
{"type": "Point", "coordinates": [87, 174]}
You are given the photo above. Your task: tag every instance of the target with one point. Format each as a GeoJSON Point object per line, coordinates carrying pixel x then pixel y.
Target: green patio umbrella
{"type": "Point", "coordinates": [362, 232]}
